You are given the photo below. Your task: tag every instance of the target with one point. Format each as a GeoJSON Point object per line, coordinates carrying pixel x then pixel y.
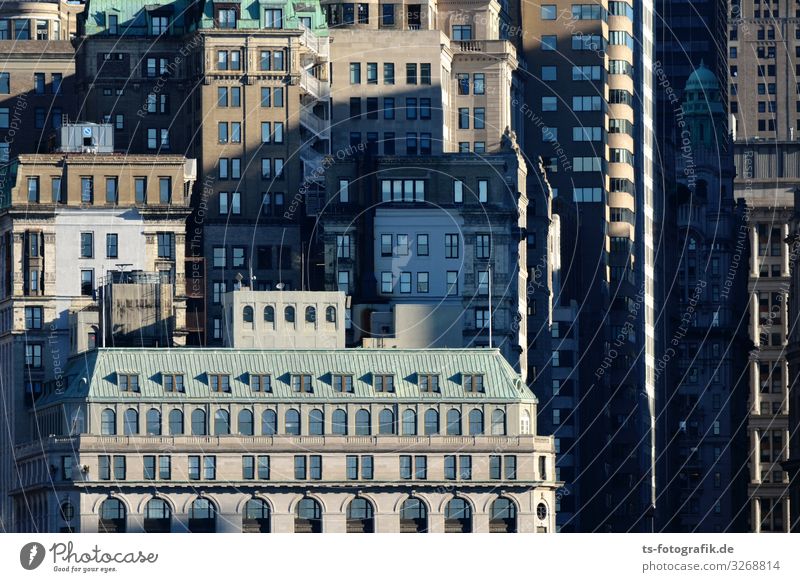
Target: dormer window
{"type": "Point", "coordinates": [172, 382]}
{"type": "Point", "coordinates": [302, 383]}
{"type": "Point", "coordinates": [226, 17]}
{"type": "Point", "coordinates": [429, 382]}
{"type": "Point", "coordinates": [383, 382]}
{"type": "Point", "coordinates": [473, 382]}
{"type": "Point", "coordinates": [159, 25]}
{"type": "Point", "coordinates": [343, 382]}
{"type": "Point", "coordinates": [113, 24]}
{"type": "Point", "coordinates": [219, 382]}
{"type": "Point", "coordinates": [128, 382]}
{"type": "Point", "coordinates": [273, 18]}
{"type": "Point", "coordinates": [260, 383]}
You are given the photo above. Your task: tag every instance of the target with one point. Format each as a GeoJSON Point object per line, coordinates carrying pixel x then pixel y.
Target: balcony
{"type": "Point", "coordinates": [319, 45]}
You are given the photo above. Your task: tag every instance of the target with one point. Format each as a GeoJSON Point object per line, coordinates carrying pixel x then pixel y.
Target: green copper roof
{"type": "Point", "coordinates": [100, 368]}
{"type": "Point", "coordinates": [133, 16]}
{"type": "Point", "coordinates": [252, 14]}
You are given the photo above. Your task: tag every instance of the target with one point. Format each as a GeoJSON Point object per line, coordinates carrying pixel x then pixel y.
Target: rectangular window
{"type": "Point", "coordinates": [33, 189]}
{"type": "Point", "coordinates": [119, 468]}
{"type": "Point", "coordinates": [352, 467]}
{"type": "Point", "coordinates": [165, 241]}
{"type": "Point", "coordinates": [302, 383]}
{"type": "Point", "coordinates": [219, 382]}
{"type": "Point", "coordinates": [194, 467]}
{"type": "Point", "coordinates": [423, 282]}
{"type": "Point", "coordinates": [210, 468]}
{"type": "Point", "coordinates": [112, 245]}
{"type": "Point", "coordinates": [411, 74]}
{"type": "Point", "coordinates": [355, 73]}
{"type": "Point", "coordinates": [483, 246]}
{"type": "Point", "coordinates": [164, 467]}
{"type": "Point", "coordinates": [315, 467]}
{"type": "Point", "coordinates": [425, 74]}
{"type": "Point", "coordinates": [343, 382]}
{"type": "Point", "coordinates": [33, 318]}
{"type": "Point", "coordinates": [510, 462]}
{"type": "Point", "coordinates": [495, 467]}
{"type": "Point", "coordinates": [429, 382]}
{"type": "Point", "coordinates": [465, 467]}
{"type": "Point", "coordinates": [450, 467]}
{"type": "Point", "coordinates": [263, 467]}
{"type": "Point", "coordinates": [383, 382]}
{"type": "Point", "coordinates": [248, 467]}
{"type": "Point", "coordinates": [451, 246]}
{"type": "Point", "coordinates": [420, 467]}
{"type": "Point", "coordinates": [405, 282]}
{"type": "Point", "coordinates": [479, 117]}
{"type": "Point", "coordinates": [473, 382]}
{"type": "Point", "coordinates": [388, 71]}
{"type": "Point", "coordinates": [463, 118]}
{"type": "Point", "coordinates": [87, 282]}
{"type": "Point", "coordinates": [87, 245]}
{"type": "Point", "coordinates": [452, 282]}
{"type": "Point", "coordinates": [405, 467]}
{"type": "Point", "coordinates": [386, 282]}
{"type": "Point", "coordinates": [372, 73]}
{"type": "Point", "coordinates": [149, 463]}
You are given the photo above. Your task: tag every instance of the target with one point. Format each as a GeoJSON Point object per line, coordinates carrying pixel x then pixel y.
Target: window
{"type": "Point", "coordinates": [549, 42]}
{"type": "Point", "coordinates": [452, 282]}
{"type": "Point", "coordinates": [33, 317]}
{"type": "Point", "coordinates": [420, 467]}
{"type": "Point", "coordinates": [363, 422]}
{"type": "Point", "coordinates": [343, 382]}
{"type": "Point", "coordinates": [301, 383]}
{"type": "Point", "coordinates": [462, 32]}
{"type": "Point", "coordinates": [383, 382]}
{"type": "Point", "coordinates": [33, 355]}
{"type": "Point", "coordinates": [498, 422]}
{"type": "Point", "coordinates": [128, 382]}
{"type": "Point", "coordinates": [405, 282]}
{"type": "Point", "coordinates": [423, 282]}
{"type": "Point", "coordinates": [411, 73]}
{"type": "Point", "coordinates": [87, 282]}
{"type": "Point", "coordinates": [108, 422]}
{"type": "Point", "coordinates": [372, 73]}
{"type": "Point", "coordinates": [316, 423]}
{"type": "Point", "coordinates": [483, 246]}
{"type": "Point", "coordinates": [429, 382]}
{"type": "Point", "coordinates": [451, 245]}
{"type": "Point", "coordinates": [386, 422]}
{"type": "Point", "coordinates": [119, 468]}
{"type": "Point", "coordinates": [355, 73]}
{"type": "Point", "coordinates": [475, 422]}
{"type": "Point", "coordinates": [453, 422]}
{"type": "Point", "coordinates": [87, 245]}
{"type": "Point", "coordinates": [219, 382]}
{"type": "Point", "coordinates": [473, 382]}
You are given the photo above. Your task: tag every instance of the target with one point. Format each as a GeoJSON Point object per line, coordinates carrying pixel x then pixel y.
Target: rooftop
{"type": "Point", "coordinates": [100, 369]}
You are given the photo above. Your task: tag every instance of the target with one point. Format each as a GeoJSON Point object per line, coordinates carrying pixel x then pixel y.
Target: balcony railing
{"type": "Point", "coordinates": [314, 123]}
{"type": "Point", "coordinates": [320, 89]}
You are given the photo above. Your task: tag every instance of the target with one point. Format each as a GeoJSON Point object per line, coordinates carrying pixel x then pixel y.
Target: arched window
{"type": "Point", "coordinates": [153, 422]}
{"type": "Point", "coordinates": [360, 516]}
{"type": "Point", "coordinates": [269, 422]}
{"type": "Point", "coordinates": [199, 422]}
{"type": "Point", "coordinates": [339, 421]}
{"type": "Point", "coordinates": [363, 422]}
{"type": "Point", "coordinates": [175, 422]}
{"type": "Point", "coordinates": [245, 422]}
{"type": "Point", "coordinates": [525, 423]}
{"type": "Point", "coordinates": [108, 422]}
{"type": "Point", "coordinates": [288, 314]}
{"type": "Point", "coordinates": [269, 314]}
{"type": "Point", "coordinates": [130, 424]}
{"type": "Point", "coordinates": [311, 314]}
{"type": "Point", "coordinates": [202, 516]}
{"type": "Point", "coordinates": [503, 516]}
{"type": "Point", "coordinates": [157, 516]}
{"type": "Point", "coordinates": [409, 422]}
{"type": "Point", "coordinates": [453, 422]}
{"type": "Point", "coordinates": [222, 422]}
{"type": "Point", "coordinates": [475, 422]}
{"type": "Point", "coordinates": [498, 422]}
{"type": "Point", "coordinates": [330, 314]}
{"type": "Point", "coordinates": [316, 422]}
{"type": "Point", "coordinates": [256, 516]}
{"type": "Point", "coordinates": [413, 516]}
{"type": "Point", "coordinates": [112, 516]}
{"type": "Point", "coordinates": [247, 314]}
{"type": "Point", "coordinates": [308, 516]}
{"type": "Point", "coordinates": [292, 422]}
{"type": "Point", "coordinates": [431, 422]}
{"type": "Point", "coordinates": [458, 516]}
{"type": "Point", "coordinates": [386, 422]}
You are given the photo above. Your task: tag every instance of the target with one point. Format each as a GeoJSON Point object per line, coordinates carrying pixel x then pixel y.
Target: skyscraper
{"type": "Point", "coordinates": [587, 64]}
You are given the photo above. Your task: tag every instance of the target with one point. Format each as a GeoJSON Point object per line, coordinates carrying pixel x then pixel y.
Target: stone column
{"type": "Point", "coordinates": [756, 513]}
{"type": "Point", "coordinates": [755, 385]}
{"type": "Point", "coordinates": [785, 250]}
{"type": "Point", "coordinates": [755, 467]}
{"type": "Point", "coordinates": [754, 320]}
{"type": "Point", "coordinates": [753, 251]}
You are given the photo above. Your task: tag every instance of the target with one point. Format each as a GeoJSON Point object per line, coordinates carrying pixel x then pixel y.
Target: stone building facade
{"type": "Point", "coordinates": [289, 441]}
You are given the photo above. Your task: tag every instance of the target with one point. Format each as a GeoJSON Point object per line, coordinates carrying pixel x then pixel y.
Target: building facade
{"type": "Point", "coordinates": [68, 222]}
{"type": "Point", "coordinates": [288, 441]}
{"type": "Point", "coordinates": [442, 234]}
{"type": "Point", "coordinates": [768, 189]}
{"type": "Point", "coordinates": [583, 60]}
